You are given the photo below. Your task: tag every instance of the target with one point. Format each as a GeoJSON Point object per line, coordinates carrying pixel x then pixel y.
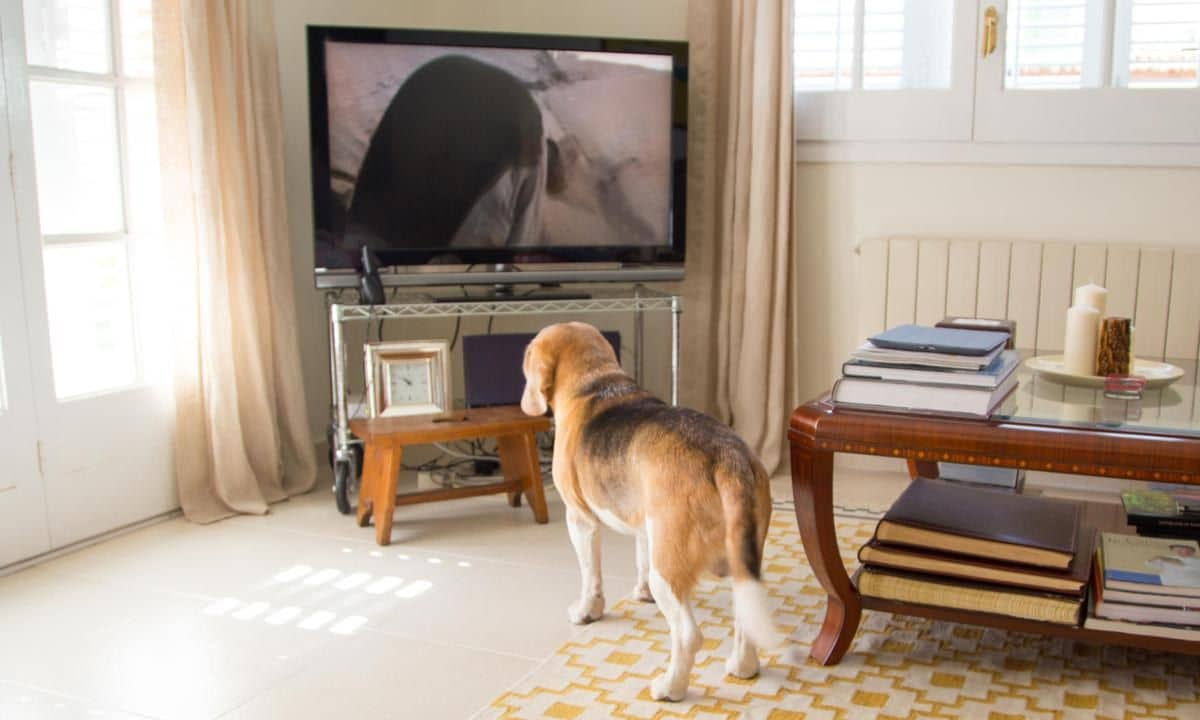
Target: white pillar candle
{"type": "Point", "coordinates": [1079, 346]}
{"type": "Point", "coordinates": [1091, 295]}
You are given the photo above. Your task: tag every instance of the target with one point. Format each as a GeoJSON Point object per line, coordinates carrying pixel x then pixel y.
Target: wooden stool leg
{"type": "Point", "coordinates": [366, 492]}
{"type": "Point", "coordinates": [384, 482]}
{"type": "Point", "coordinates": [519, 461]}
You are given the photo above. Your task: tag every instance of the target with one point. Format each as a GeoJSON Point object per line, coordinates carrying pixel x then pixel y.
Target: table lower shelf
{"type": "Point", "coordinates": [1073, 632]}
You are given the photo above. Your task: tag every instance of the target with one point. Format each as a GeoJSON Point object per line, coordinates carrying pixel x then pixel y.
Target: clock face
{"type": "Point", "coordinates": [410, 382]}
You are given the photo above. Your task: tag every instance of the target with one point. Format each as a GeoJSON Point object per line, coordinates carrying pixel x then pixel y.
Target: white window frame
{"type": "Point", "coordinates": [1090, 126]}
{"type": "Point", "coordinates": [1084, 115]}
{"type": "Point", "coordinates": [912, 114]}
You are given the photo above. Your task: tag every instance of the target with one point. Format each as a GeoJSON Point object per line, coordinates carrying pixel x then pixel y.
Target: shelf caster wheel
{"type": "Point", "coordinates": [344, 475]}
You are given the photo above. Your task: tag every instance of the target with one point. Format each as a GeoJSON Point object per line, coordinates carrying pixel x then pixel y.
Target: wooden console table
{"type": "Point", "coordinates": [1051, 428]}
{"type": "Point", "coordinates": [385, 438]}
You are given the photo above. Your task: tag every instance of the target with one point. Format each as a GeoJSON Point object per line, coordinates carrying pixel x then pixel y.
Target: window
{"type": "Point", "coordinates": [1063, 71]}
{"type": "Point", "coordinates": [91, 96]}
{"type": "Point", "coordinates": [902, 44]}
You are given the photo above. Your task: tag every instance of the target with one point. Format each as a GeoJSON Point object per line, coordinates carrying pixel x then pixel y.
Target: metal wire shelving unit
{"type": "Point", "coordinates": [345, 452]}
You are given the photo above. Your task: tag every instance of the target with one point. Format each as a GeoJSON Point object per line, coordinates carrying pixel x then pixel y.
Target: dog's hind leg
{"type": "Point", "coordinates": [641, 591]}
{"type": "Point", "coordinates": [743, 661]}
{"type": "Point", "coordinates": [590, 605]}
{"type": "Point", "coordinates": [685, 640]}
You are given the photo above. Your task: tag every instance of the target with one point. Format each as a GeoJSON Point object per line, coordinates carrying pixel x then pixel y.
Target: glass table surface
{"type": "Point", "coordinates": [1039, 399]}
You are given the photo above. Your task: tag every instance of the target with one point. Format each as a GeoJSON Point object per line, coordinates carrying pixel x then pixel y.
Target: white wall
{"type": "Point", "coordinates": [839, 205]}
{"type": "Point", "coordinates": [665, 19]}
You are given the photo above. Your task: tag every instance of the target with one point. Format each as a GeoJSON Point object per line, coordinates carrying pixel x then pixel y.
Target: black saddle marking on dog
{"type": "Point", "coordinates": [608, 386]}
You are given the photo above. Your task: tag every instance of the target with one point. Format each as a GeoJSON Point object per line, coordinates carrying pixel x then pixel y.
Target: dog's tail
{"type": "Point", "coordinates": [746, 499]}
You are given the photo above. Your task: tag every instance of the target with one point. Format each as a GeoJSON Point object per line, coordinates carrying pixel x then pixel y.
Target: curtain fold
{"type": "Point", "coordinates": [739, 297]}
{"type": "Point", "coordinates": [242, 437]}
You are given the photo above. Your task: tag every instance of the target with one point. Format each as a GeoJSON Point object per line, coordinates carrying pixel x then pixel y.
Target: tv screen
{"type": "Point", "coordinates": [456, 148]}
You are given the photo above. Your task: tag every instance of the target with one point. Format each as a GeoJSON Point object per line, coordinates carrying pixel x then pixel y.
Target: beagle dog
{"type": "Point", "coordinates": [684, 485]}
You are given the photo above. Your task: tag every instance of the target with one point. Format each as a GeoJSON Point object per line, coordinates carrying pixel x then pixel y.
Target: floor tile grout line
{"type": "Point", "coordinates": [92, 704]}
{"type": "Point", "coordinates": [532, 672]}
{"type": "Point", "coordinates": [400, 635]}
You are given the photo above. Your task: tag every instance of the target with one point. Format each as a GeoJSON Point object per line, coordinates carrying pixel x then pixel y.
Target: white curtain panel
{"type": "Point", "coordinates": [242, 436]}
{"type": "Point", "coordinates": [739, 296]}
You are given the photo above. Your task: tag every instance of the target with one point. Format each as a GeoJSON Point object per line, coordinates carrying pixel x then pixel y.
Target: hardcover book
{"type": "Point", "coordinates": [913, 358]}
{"type": "Point", "coordinates": [1185, 611]}
{"type": "Point", "coordinates": [1168, 566]}
{"type": "Point", "coordinates": [867, 394]}
{"type": "Point", "coordinates": [1073, 581]}
{"type": "Point", "coordinates": [1175, 632]}
{"type": "Point", "coordinates": [1152, 505]}
{"type": "Point", "coordinates": [1003, 527]}
{"type": "Point", "coordinates": [940, 592]}
{"type": "Point", "coordinates": [989, 377]}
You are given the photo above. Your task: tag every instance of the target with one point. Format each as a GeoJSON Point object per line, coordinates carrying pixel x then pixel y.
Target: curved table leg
{"type": "Point", "coordinates": [812, 491]}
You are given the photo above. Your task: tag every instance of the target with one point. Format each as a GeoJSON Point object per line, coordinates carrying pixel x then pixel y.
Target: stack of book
{"type": "Point", "coordinates": [929, 369]}
{"type": "Point", "coordinates": [967, 548]}
{"type": "Point", "coordinates": [1147, 586]}
{"type": "Point", "coordinates": [1157, 513]}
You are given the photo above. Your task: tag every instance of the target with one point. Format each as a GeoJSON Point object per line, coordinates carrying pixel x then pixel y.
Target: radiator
{"type": "Point", "coordinates": [922, 280]}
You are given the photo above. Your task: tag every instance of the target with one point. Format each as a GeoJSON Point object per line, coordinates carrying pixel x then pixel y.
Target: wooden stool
{"type": "Point", "coordinates": [384, 440]}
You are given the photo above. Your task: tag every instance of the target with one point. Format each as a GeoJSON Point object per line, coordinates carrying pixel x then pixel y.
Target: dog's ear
{"type": "Point", "coordinates": [539, 381]}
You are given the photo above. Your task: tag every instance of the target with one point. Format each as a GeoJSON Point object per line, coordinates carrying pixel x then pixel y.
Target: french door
{"type": "Point", "coordinates": [84, 333]}
{"type": "Point", "coordinates": [23, 526]}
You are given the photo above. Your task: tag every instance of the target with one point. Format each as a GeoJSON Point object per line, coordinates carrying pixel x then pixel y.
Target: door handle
{"type": "Point", "coordinates": [991, 25]}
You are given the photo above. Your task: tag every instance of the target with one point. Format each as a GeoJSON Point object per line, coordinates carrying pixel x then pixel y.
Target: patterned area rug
{"type": "Point", "coordinates": [898, 667]}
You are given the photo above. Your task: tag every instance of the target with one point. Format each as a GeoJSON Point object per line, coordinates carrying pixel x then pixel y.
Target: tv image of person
{"type": "Point", "coordinates": [459, 159]}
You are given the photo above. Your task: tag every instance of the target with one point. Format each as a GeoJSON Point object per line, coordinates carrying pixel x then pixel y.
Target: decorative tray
{"type": "Point", "coordinates": [1157, 374]}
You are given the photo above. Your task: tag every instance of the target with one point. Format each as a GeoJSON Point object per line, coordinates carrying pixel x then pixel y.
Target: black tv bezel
{"type": "Point", "coordinates": [628, 257]}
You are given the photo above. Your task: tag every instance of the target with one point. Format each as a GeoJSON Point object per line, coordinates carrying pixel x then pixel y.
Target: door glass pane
{"type": "Point", "coordinates": [68, 34]}
{"type": "Point", "coordinates": [75, 152]}
{"type": "Point", "coordinates": [141, 143]}
{"type": "Point", "coordinates": [1163, 45]}
{"type": "Point", "coordinates": [137, 38]}
{"type": "Point", "coordinates": [91, 318]}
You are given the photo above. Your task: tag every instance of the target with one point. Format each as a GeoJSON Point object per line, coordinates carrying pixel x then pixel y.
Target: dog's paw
{"type": "Point", "coordinates": [641, 593]}
{"type": "Point", "coordinates": [661, 689]}
{"type": "Point", "coordinates": [585, 611]}
{"type": "Point", "coordinates": [742, 667]}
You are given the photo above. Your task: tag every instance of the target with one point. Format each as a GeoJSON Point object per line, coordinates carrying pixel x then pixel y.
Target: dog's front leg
{"type": "Point", "coordinates": [587, 548]}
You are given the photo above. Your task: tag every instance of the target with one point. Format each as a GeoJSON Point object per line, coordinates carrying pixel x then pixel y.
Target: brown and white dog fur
{"type": "Point", "coordinates": [684, 485]}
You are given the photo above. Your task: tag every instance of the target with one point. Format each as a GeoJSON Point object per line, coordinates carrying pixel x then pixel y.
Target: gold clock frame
{"type": "Point", "coordinates": [379, 357]}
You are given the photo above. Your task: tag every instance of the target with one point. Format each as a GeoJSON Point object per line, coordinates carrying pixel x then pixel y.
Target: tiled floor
{"type": "Point", "coordinates": [300, 615]}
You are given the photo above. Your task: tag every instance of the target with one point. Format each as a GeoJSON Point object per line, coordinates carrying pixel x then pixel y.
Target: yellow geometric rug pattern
{"type": "Point", "coordinates": [897, 667]}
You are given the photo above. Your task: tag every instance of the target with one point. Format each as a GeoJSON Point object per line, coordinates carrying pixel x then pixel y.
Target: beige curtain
{"type": "Point", "coordinates": [739, 298]}
{"type": "Point", "coordinates": [242, 436]}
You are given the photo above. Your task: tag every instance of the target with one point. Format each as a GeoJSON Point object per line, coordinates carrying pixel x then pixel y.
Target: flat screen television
{"type": "Point", "coordinates": [446, 152]}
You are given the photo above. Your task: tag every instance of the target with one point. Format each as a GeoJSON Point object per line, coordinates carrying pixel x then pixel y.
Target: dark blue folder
{"type": "Point", "coordinates": [952, 341]}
